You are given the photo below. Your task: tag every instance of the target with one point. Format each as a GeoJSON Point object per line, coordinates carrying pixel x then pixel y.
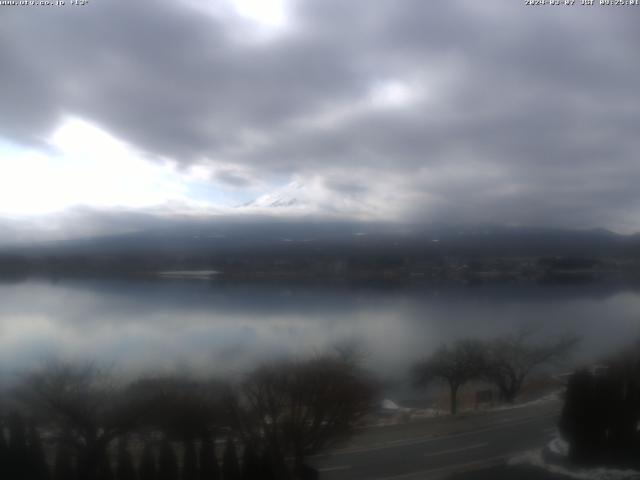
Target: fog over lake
{"type": "Point", "coordinates": [140, 326]}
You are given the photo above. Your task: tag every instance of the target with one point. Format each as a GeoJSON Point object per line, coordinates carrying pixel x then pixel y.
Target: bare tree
{"type": "Point", "coordinates": [299, 408]}
{"type": "Point", "coordinates": [4, 453]}
{"type": "Point", "coordinates": [18, 454]}
{"type": "Point", "coordinates": [148, 464]}
{"type": "Point", "coordinates": [84, 407]}
{"type": "Point", "coordinates": [125, 469]}
{"type": "Point", "coordinates": [209, 467]}
{"type": "Point", "coordinates": [63, 463]}
{"type": "Point", "coordinates": [189, 461]}
{"type": "Point", "coordinates": [167, 462]}
{"type": "Point", "coordinates": [38, 462]}
{"type": "Point", "coordinates": [230, 462]}
{"type": "Point", "coordinates": [456, 365]}
{"type": "Point", "coordinates": [510, 359]}
{"type": "Point", "coordinates": [184, 409]}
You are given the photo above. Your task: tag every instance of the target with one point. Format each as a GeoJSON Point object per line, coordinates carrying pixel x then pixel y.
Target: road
{"type": "Point", "coordinates": [436, 448]}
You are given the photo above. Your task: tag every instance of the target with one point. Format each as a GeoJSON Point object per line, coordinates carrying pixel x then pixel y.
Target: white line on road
{"type": "Point", "coordinates": [430, 438]}
{"type": "Point", "coordinates": [456, 450]}
{"type": "Point", "coordinates": [333, 469]}
{"type": "Point", "coordinates": [433, 472]}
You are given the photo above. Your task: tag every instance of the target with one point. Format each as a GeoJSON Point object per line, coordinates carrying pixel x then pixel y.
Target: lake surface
{"type": "Point", "coordinates": [166, 325]}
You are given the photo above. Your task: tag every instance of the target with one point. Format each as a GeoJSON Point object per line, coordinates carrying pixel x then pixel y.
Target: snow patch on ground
{"type": "Point", "coordinates": [428, 413]}
{"type": "Point", "coordinates": [388, 404]}
{"type": "Point", "coordinates": [391, 413]}
{"type": "Point", "coordinates": [559, 447]}
{"type": "Point", "coordinates": [547, 398]}
{"type": "Point", "coordinates": [535, 458]}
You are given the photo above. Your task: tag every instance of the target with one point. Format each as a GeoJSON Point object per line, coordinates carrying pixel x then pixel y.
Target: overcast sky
{"type": "Point", "coordinates": [461, 111]}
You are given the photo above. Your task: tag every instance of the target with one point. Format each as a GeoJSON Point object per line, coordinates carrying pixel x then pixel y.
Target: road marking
{"type": "Point", "coordinates": [333, 469]}
{"type": "Point", "coordinates": [430, 438]}
{"type": "Point", "coordinates": [456, 450]}
{"type": "Point", "coordinates": [449, 469]}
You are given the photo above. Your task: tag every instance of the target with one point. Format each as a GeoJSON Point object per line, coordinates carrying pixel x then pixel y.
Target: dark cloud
{"type": "Point", "coordinates": [233, 179]}
{"type": "Point", "coordinates": [520, 114]}
{"type": "Point", "coordinates": [346, 187]}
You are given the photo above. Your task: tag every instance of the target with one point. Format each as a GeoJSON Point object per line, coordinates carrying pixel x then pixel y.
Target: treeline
{"type": "Point", "coordinates": [95, 265]}
{"type": "Point", "coordinates": [23, 457]}
{"type": "Point", "coordinates": [72, 422]}
{"type": "Point", "coordinates": [322, 262]}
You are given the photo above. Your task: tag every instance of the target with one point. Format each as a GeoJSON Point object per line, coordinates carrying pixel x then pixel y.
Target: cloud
{"type": "Point", "coordinates": [233, 178]}
{"type": "Point", "coordinates": [408, 109]}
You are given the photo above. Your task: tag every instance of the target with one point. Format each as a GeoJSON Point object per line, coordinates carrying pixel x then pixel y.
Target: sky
{"type": "Point", "coordinates": [388, 110]}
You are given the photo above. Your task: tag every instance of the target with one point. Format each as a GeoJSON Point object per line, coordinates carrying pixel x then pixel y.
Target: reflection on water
{"type": "Point", "coordinates": [138, 325]}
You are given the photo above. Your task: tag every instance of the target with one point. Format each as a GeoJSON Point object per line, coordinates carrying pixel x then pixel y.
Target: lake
{"type": "Point", "coordinates": [170, 325]}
